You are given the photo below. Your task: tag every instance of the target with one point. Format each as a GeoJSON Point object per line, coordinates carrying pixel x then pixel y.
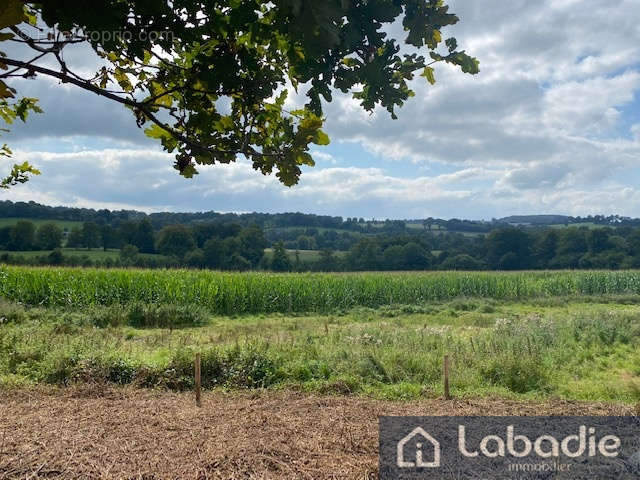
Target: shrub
{"type": "Point", "coordinates": [11, 313]}
{"type": "Point", "coordinates": [518, 373]}
{"type": "Point", "coordinates": [165, 316]}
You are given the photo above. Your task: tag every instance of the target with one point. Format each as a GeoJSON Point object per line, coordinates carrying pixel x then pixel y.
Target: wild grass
{"type": "Point", "coordinates": [576, 350]}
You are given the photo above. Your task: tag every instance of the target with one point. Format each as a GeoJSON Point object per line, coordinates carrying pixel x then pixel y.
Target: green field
{"type": "Point", "coordinates": [304, 255]}
{"type": "Point", "coordinates": [421, 226]}
{"type": "Point", "coordinates": [589, 225]}
{"type": "Point", "coordinates": [100, 254]}
{"type": "Point", "coordinates": [63, 224]}
{"type": "Point", "coordinates": [93, 254]}
{"type": "Point", "coordinates": [572, 335]}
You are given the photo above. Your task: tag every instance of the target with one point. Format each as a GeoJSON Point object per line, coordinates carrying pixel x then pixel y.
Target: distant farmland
{"type": "Point", "coordinates": [93, 254]}
{"type": "Point", "coordinates": [304, 255]}
{"type": "Point", "coordinates": [63, 224]}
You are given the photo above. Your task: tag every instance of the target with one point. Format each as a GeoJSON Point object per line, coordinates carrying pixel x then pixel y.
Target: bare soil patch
{"type": "Point", "coordinates": [107, 433]}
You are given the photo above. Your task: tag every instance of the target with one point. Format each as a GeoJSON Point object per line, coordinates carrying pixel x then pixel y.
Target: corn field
{"type": "Point", "coordinates": [255, 292]}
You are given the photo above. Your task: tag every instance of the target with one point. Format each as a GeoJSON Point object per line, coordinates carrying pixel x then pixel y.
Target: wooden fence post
{"type": "Point", "coordinates": [198, 380]}
{"type": "Point", "coordinates": [447, 393]}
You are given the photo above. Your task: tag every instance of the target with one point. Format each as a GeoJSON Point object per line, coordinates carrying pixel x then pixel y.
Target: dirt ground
{"type": "Point", "coordinates": [106, 433]}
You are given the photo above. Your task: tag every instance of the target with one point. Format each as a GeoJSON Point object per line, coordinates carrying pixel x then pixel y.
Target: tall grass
{"type": "Point", "coordinates": [235, 293]}
{"type": "Point", "coordinates": [580, 352]}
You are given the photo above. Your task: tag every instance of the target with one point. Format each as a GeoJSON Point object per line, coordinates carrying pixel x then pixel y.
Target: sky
{"type": "Point", "coordinates": [551, 124]}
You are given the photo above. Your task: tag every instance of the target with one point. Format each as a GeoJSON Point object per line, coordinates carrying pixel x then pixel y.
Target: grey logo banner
{"type": "Point", "coordinates": [461, 448]}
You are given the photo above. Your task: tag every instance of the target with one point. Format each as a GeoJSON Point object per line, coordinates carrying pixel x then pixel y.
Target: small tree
{"type": "Point", "coordinates": [5, 238]}
{"type": "Point", "coordinates": [55, 257]}
{"type": "Point", "coordinates": [175, 240]}
{"type": "Point", "coordinates": [252, 244]}
{"type": "Point", "coordinates": [393, 258]}
{"type": "Point", "coordinates": [212, 251]}
{"type": "Point", "coordinates": [49, 236]}
{"type": "Point", "coordinates": [74, 239]}
{"type": "Point", "coordinates": [328, 261]}
{"type": "Point", "coordinates": [23, 235]}
{"type": "Point", "coordinates": [415, 257]}
{"type": "Point", "coordinates": [195, 258]}
{"type": "Point", "coordinates": [238, 262]}
{"type": "Point", "coordinates": [365, 255]}
{"type": "Point", "coordinates": [280, 261]}
{"type": "Point", "coordinates": [128, 253]}
{"type": "Point", "coordinates": [109, 236]}
{"type": "Point", "coordinates": [144, 237]}
{"type": "Point", "coordinates": [91, 236]}
{"type": "Point", "coordinates": [127, 232]}
{"type": "Point", "coordinates": [305, 242]}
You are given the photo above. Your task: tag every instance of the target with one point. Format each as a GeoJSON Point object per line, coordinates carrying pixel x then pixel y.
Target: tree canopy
{"type": "Point", "coordinates": [210, 79]}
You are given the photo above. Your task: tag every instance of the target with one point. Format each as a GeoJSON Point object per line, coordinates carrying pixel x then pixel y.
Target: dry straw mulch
{"type": "Point", "coordinates": [107, 433]}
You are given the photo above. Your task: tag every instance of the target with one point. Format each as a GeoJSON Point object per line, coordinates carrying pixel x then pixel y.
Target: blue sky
{"type": "Point", "coordinates": [550, 125]}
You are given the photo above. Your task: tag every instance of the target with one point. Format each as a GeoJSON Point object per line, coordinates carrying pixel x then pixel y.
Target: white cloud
{"type": "Point", "coordinates": [549, 125]}
{"type": "Point", "coordinates": [589, 106]}
{"type": "Point", "coordinates": [323, 157]}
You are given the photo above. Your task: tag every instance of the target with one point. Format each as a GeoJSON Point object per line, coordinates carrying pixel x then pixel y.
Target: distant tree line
{"type": "Point", "coordinates": [210, 245]}
{"type": "Point", "coordinates": [507, 248]}
{"type": "Point", "coordinates": [297, 220]}
{"type": "Point", "coordinates": [233, 247]}
{"type": "Point", "coordinates": [231, 242]}
{"type": "Point", "coordinates": [25, 236]}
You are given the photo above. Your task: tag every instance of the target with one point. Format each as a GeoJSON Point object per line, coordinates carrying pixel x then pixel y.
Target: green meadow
{"type": "Point", "coordinates": [570, 335]}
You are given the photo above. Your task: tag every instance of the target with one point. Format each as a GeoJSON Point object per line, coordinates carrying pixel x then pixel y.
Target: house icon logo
{"type": "Point", "coordinates": [420, 437]}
